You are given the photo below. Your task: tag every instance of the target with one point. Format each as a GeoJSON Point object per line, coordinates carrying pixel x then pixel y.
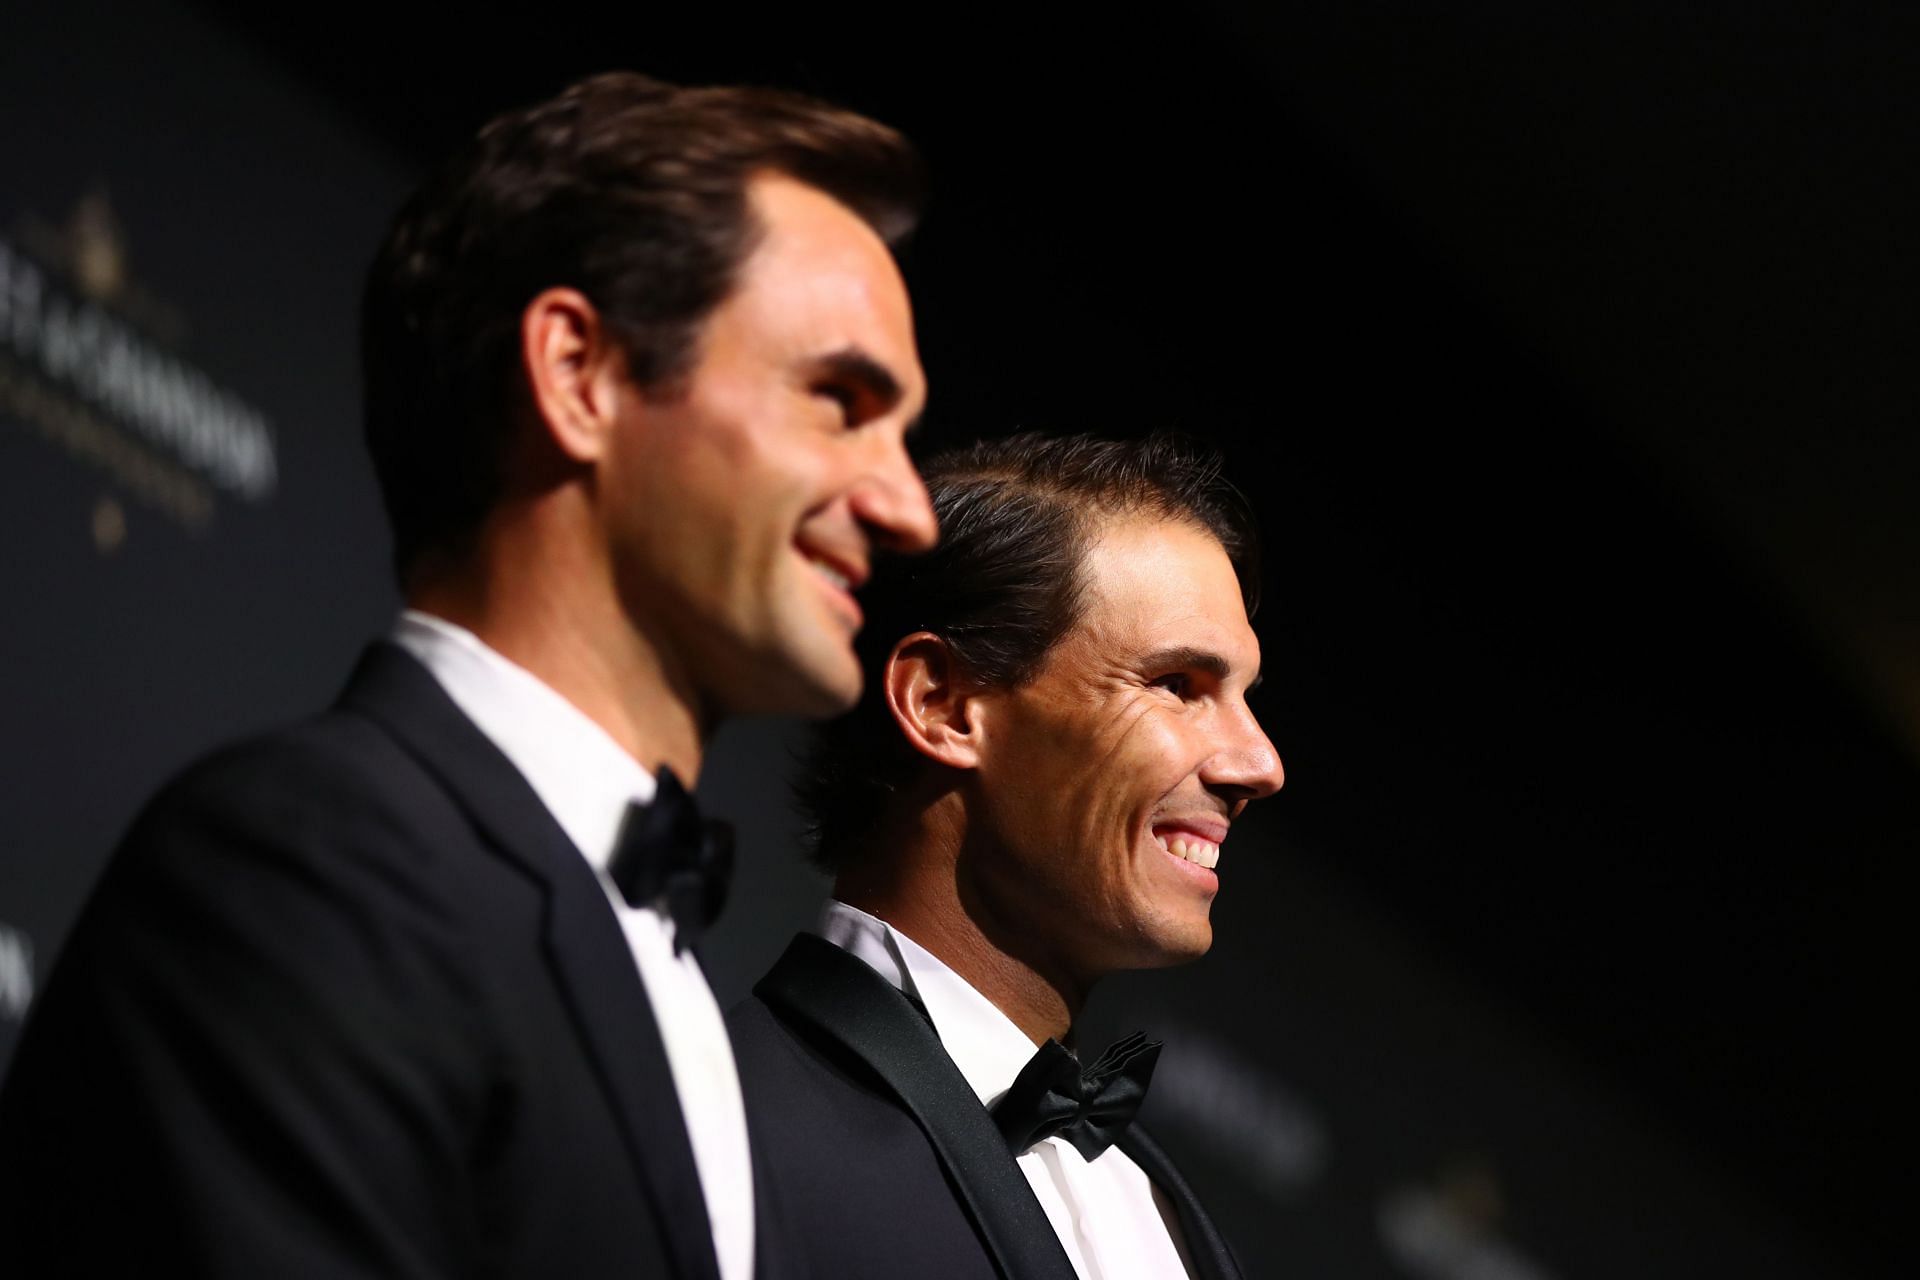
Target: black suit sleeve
{"type": "Point", "coordinates": [260, 1054]}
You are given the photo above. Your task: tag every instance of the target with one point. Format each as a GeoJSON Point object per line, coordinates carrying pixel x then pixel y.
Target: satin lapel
{"type": "Point", "coordinates": [586, 951]}
{"type": "Point", "coordinates": [819, 986]}
{"type": "Point", "coordinates": [1206, 1247]}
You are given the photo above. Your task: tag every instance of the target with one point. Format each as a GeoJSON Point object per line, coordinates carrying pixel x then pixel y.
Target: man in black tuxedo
{"type": "Point", "coordinates": [1031, 794]}
{"type": "Point", "coordinates": [406, 990]}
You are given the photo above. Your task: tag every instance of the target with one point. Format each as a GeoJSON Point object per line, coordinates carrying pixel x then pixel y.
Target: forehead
{"type": "Point", "coordinates": [1153, 583]}
{"type": "Point", "coordinates": [820, 280]}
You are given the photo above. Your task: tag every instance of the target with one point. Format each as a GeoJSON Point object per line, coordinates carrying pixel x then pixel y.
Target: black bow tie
{"type": "Point", "coordinates": [1091, 1109]}
{"type": "Point", "coordinates": [666, 849]}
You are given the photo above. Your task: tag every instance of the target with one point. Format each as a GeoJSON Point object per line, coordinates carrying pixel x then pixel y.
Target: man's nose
{"type": "Point", "coordinates": [1247, 766]}
{"type": "Point", "coordinates": [893, 502]}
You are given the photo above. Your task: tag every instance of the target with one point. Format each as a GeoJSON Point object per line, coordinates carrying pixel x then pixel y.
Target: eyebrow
{"type": "Point", "coordinates": [1186, 657]}
{"type": "Point", "coordinates": [854, 365]}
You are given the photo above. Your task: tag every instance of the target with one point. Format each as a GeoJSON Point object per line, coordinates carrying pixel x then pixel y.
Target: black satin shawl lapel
{"type": "Point", "coordinates": [818, 985]}
{"type": "Point", "coordinates": [586, 950]}
{"type": "Point", "coordinates": [1207, 1249]}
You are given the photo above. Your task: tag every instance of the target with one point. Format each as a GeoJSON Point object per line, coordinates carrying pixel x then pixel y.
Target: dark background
{"type": "Point", "coordinates": [1568, 358]}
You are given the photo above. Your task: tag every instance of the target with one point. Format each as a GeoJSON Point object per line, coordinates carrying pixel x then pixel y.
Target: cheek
{"type": "Point", "coordinates": [1097, 783]}
{"type": "Point", "coordinates": [716, 441]}
{"type": "Point", "coordinates": [1141, 759]}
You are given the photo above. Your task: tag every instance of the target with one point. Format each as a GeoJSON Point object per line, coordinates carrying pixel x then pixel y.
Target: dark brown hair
{"type": "Point", "coordinates": [1005, 584]}
{"type": "Point", "coordinates": [632, 191]}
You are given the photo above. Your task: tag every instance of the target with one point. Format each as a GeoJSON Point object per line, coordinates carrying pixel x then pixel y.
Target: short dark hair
{"type": "Point", "coordinates": [1005, 584]}
{"type": "Point", "coordinates": [628, 189]}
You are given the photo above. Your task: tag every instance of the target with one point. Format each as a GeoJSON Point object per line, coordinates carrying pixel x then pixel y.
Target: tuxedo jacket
{"type": "Point", "coordinates": [348, 1002]}
{"type": "Point", "coordinates": [887, 1163]}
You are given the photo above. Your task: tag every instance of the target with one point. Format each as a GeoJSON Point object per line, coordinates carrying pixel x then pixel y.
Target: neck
{"type": "Point", "coordinates": [915, 883]}
{"type": "Point", "coordinates": [546, 607]}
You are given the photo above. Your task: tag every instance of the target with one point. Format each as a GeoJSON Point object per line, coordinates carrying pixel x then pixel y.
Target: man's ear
{"type": "Point", "coordinates": [930, 702]}
{"type": "Point", "coordinates": [575, 371]}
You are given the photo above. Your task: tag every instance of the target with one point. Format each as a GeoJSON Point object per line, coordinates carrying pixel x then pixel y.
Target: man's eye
{"type": "Point", "coordinates": [844, 397]}
{"type": "Point", "coordinates": [1175, 682]}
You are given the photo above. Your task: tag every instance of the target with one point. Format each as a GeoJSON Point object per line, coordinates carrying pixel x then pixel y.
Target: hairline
{"type": "Point", "coordinates": [1092, 519]}
{"type": "Point", "coordinates": [673, 384]}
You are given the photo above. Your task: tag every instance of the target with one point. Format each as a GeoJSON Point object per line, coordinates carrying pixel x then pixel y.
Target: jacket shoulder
{"type": "Point", "coordinates": [865, 1193]}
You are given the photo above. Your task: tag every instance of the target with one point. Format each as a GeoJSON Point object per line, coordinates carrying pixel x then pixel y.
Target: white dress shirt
{"type": "Point", "coordinates": [1111, 1220]}
{"type": "Point", "coordinates": [586, 780]}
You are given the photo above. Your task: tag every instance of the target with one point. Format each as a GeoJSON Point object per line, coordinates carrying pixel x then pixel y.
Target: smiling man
{"type": "Point", "coordinates": [1033, 793]}
{"type": "Point", "coordinates": [408, 990]}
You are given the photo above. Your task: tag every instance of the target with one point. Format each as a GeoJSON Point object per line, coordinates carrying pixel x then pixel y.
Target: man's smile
{"type": "Point", "coordinates": [1195, 840]}
{"type": "Point", "coordinates": [841, 580]}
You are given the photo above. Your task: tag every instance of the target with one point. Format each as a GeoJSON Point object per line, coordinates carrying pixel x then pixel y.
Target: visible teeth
{"type": "Point", "coordinates": [1193, 849]}
{"type": "Point", "coordinates": [831, 574]}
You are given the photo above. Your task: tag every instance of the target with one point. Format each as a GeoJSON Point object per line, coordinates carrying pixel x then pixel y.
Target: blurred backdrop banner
{"type": "Point", "coordinates": [194, 544]}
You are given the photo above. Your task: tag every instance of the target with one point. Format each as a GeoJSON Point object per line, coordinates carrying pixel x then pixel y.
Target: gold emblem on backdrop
{"type": "Point", "coordinates": [90, 249]}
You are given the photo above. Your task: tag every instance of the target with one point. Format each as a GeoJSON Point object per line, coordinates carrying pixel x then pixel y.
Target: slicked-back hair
{"type": "Point", "coordinates": [634, 192]}
{"type": "Point", "coordinates": [1005, 584]}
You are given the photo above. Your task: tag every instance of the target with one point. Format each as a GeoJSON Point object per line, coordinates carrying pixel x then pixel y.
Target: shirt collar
{"type": "Point", "coordinates": [982, 1041]}
{"type": "Point", "coordinates": [583, 777]}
